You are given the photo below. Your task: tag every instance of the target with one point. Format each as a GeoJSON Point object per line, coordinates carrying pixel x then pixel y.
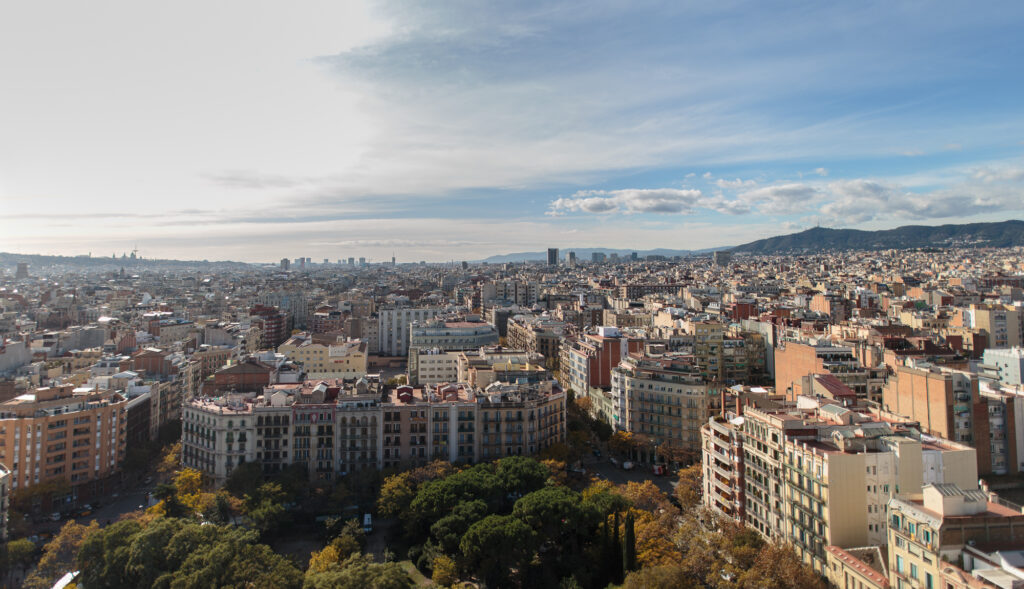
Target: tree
{"type": "Point", "coordinates": [659, 577]}
{"type": "Point", "coordinates": [171, 460]}
{"type": "Point", "coordinates": [446, 573]}
{"type": "Point", "coordinates": [518, 474]}
{"type": "Point", "coordinates": [266, 507]}
{"type": "Point", "coordinates": [777, 566]}
{"type": "Point", "coordinates": [448, 530]}
{"type": "Point", "coordinates": [645, 495]}
{"type": "Point", "coordinates": [688, 490]}
{"type": "Point", "coordinates": [396, 494]}
{"type": "Point", "coordinates": [360, 572]}
{"type": "Point", "coordinates": [621, 442]}
{"type": "Point", "coordinates": [629, 544]}
{"type": "Point", "coordinates": [244, 479]}
{"type": "Point", "coordinates": [20, 554]}
{"type": "Point", "coordinates": [499, 547]}
{"type": "Point", "coordinates": [59, 555]}
{"type": "Point", "coordinates": [323, 560]}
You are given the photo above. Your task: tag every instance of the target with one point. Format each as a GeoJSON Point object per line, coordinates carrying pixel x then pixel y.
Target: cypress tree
{"type": "Point", "coordinates": [615, 559]}
{"type": "Point", "coordinates": [629, 545]}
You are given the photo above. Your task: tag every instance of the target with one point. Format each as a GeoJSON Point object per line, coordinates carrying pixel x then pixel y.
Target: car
{"type": "Point", "coordinates": [597, 453]}
{"type": "Point", "coordinates": [55, 516]}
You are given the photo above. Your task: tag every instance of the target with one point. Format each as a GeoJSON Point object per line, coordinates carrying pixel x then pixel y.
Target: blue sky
{"type": "Point", "coordinates": [255, 131]}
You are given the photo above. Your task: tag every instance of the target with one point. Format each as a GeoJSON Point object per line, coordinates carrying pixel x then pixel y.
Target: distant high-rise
{"type": "Point", "coordinates": [285, 263]}
{"type": "Point", "coordinates": [552, 256]}
{"type": "Point", "coordinates": [362, 261]}
{"type": "Point", "coordinates": [633, 256]}
{"type": "Point", "coordinates": [392, 260]}
{"type": "Point", "coordinates": [326, 261]}
{"type": "Point", "coordinates": [721, 258]}
{"type": "Point", "coordinates": [571, 260]}
{"type": "Point", "coordinates": [597, 257]}
{"type": "Point", "coordinates": [351, 261]}
{"type": "Point", "coordinates": [22, 271]}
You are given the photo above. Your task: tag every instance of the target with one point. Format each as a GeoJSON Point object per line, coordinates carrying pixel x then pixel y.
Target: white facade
{"type": "Point", "coordinates": [393, 328]}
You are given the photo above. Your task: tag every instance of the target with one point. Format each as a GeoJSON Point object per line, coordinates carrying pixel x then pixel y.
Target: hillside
{"type": "Point", "coordinates": [1002, 234]}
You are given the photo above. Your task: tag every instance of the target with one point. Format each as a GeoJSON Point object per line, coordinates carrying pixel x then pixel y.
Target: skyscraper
{"type": "Point", "coordinates": [552, 256]}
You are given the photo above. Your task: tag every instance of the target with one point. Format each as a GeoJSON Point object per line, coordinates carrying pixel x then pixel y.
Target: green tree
{"type": "Point", "coordinates": [499, 547]}
{"type": "Point", "coordinates": [446, 573]}
{"type": "Point", "coordinates": [448, 530]}
{"type": "Point", "coordinates": [265, 507]}
{"type": "Point", "coordinates": [244, 479]}
{"type": "Point", "coordinates": [520, 475]}
{"type": "Point", "coordinates": [20, 554]}
{"type": "Point", "coordinates": [360, 572]}
{"type": "Point", "coordinates": [628, 544]}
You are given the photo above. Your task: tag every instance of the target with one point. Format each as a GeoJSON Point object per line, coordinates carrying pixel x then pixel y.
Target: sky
{"type": "Point", "coordinates": [253, 131]}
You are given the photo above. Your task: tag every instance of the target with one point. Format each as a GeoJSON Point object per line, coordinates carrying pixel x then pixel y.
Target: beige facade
{"type": "Point", "coordinates": [61, 433]}
{"type": "Point", "coordinates": [326, 361]}
{"type": "Point", "coordinates": [821, 479]}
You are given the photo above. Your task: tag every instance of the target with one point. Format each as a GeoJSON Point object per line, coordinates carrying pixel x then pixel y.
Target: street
{"type": "Point", "coordinates": [603, 468]}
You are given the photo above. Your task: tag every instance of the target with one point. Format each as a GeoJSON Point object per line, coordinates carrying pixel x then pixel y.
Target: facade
{"type": "Point", "coordinates": [343, 359]}
{"type": "Point", "coordinates": [536, 335]}
{"type": "Point", "coordinates": [821, 479]}
{"type": "Point", "coordinates": [447, 336]}
{"type": "Point", "coordinates": [433, 366]}
{"type": "Point", "coordinates": [552, 256]}
{"type": "Point", "coordinates": [1008, 364]}
{"type": "Point", "coordinates": [663, 397]}
{"type": "Point", "coordinates": [340, 426]}
{"type": "Point", "coordinates": [795, 360]}
{"type": "Point", "coordinates": [479, 368]}
{"type": "Point", "coordinates": [63, 433]}
{"type": "Point", "coordinates": [946, 403]}
{"type": "Point", "coordinates": [393, 327]}
{"type": "Point", "coordinates": [937, 527]}
{"type": "Point", "coordinates": [5, 500]}
{"type": "Point", "coordinates": [1004, 324]}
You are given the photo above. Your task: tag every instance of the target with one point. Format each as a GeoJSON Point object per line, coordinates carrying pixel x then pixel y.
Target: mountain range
{"type": "Point", "coordinates": [1001, 234]}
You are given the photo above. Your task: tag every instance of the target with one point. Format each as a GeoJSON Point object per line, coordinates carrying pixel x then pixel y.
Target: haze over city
{"type": "Point", "coordinates": [255, 131]}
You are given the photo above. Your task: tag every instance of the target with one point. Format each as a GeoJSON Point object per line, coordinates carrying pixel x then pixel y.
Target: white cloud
{"type": "Point", "coordinates": [782, 199]}
{"type": "Point", "coordinates": [633, 200]}
{"type": "Point", "coordinates": [734, 184]}
{"type": "Point", "coordinates": [821, 171]}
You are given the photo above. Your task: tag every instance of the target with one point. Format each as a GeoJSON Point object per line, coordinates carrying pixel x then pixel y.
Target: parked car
{"type": "Point", "coordinates": [628, 465]}
{"type": "Point", "coordinates": [55, 516]}
{"type": "Point", "coordinates": [597, 453]}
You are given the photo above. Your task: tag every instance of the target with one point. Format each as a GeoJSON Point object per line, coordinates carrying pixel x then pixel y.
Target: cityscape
{"type": "Point", "coordinates": [573, 295]}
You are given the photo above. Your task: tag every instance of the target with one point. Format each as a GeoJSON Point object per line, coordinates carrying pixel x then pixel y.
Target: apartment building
{"type": "Point", "coordinates": [1004, 324]}
{"type": "Point", "coordinates": [5, 500]}
{"type": "Point", "coordinates": [795, 360]}
{"type": "Point", "coordinates": [342, 359]}
{"type": "Point", "coordinates": [432, 366]}
{"type": "Point", "coordinates": [479, 368]}
{"type": "Point", "coordinates": [1007, 364]}
{"type": "Point", "coordinates": [537, 334]}
{"type": "Point", "coordinates": [448, 335]}
{"type": "Point", "coordinates": [587, 362]}
{"type": "Point", "coordinates": [941, 526]}
{"type": "Point", "coordinates": [663, 397]}
{"type": "Point", "coordinates": [393, 327]}
{"type": "Point", "coordinates": [64, 433]}
{"type": "Point", "coordinates": [334, 427]}
{"type": "Point", "coordinates": [946, 403]}
{"type": "Point", "coordinates": [821, 477]}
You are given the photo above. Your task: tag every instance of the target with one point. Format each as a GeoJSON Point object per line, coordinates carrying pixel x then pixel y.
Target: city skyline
{"type": "Point", "coordinates": [358, 130]}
